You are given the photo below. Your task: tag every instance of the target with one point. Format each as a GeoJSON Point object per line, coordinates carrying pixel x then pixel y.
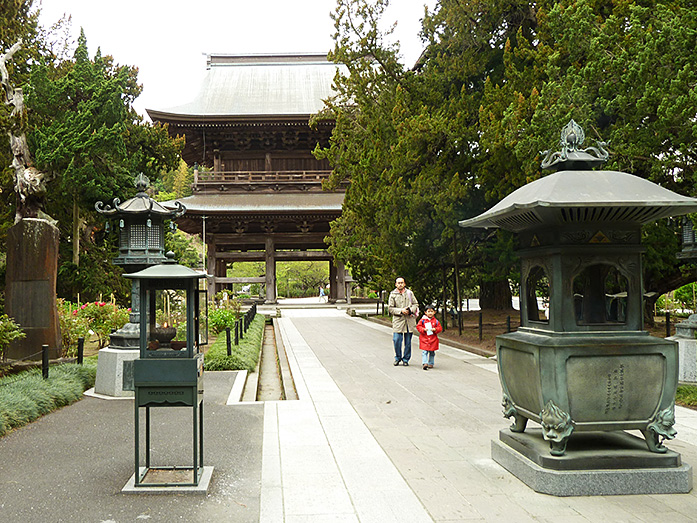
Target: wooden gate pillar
{"type": "Point", "coordinates": [210, 268]}
{"type": "Point", "coordinates": [270, 271]}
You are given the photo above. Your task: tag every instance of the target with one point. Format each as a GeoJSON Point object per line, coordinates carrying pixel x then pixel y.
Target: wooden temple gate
{"type": "Point", "coordinates": [259, 196]}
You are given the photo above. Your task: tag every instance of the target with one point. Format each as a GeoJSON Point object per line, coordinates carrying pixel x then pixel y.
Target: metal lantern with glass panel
{"type": "Point", "coordinates": [584, 363]}
{"type": "Point", "coordinates": [169, 371]}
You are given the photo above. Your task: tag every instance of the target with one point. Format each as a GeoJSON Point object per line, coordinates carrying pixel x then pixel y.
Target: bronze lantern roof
{"type": "Point", "coordinates": [579, 194]}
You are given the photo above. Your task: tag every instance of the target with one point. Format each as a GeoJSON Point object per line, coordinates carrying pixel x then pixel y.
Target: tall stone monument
{"type": "Point", "coordinates": [32, 243]}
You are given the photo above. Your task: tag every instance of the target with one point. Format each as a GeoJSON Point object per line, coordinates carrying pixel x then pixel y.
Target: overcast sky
{"type": "Point", "coordinates": [168, 39]}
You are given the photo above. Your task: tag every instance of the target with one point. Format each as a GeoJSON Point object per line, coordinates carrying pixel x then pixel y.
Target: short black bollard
{"type": "Point", "coordinates": [80, 350]}
{"type": "Point", "coordinates": [481, 326]}
{"type": "Point", "coordinates": [237, 333]}
{"type": "Point", "coordinates": [44, 361]}
{"type": "Point", "coordinates": [667, 324]}
{"type": "Point", "coordinates": [240, 326]}
{"type": "Point", "coordinates": [508, 324]}
{"type": "Point", "coordinates": [229, 344]}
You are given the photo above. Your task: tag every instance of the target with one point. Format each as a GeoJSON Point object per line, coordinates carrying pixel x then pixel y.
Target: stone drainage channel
{"type": "Point", "coordinates": [272, 380]}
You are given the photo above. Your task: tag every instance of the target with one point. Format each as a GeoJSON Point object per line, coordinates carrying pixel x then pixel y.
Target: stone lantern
{"type": "Point", "coordinates": [141, 244]}
{"type": "Point", "coordinates": [586, 371]}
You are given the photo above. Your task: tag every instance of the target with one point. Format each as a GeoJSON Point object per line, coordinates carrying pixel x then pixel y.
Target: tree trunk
{"type": "Point", "coordinates": [649, 308]}
{"type": "Point", "coordinates": [76, 233]}
{"type": "Point", "coordinates": [495, 295]}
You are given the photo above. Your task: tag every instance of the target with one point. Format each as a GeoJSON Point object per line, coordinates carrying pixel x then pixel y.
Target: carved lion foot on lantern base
{"type": "Point", "coordinates": [556, 428]}
{"type": "Point", "coordinates": [660, 429]}
{"type": "Point", "coordinates": [509, 410]}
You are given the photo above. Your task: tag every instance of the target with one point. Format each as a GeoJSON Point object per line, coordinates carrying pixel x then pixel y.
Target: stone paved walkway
{"type": "Point", "coordinates": [366, 442]}
{"type": "Point", "coordinates": [371, 442]}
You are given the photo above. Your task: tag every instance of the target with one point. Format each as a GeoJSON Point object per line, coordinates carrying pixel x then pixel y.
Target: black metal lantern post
{"type": "Point", "coordinates": [141, 244]}
{"type": "Point", "coordinates": [169, 371]}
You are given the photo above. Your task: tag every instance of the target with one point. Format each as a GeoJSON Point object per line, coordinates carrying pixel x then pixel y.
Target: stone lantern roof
{"type": "Point", "coordinates": [141, 203]}
{"type": "Point", "coordinates": [576, 193]}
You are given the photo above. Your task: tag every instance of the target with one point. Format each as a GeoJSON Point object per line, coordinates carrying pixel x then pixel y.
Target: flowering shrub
{"type": "Point", "coordinates": [104, 318]}
{"type": "Point", "coordinates": [218, 319]}
{"type": "Point", "coordinates": [223, 311]}
{"type": "Point", "coordinates": [99, 318]}
{"type": "Point", "coordinates": [73, 326]}
{"type": "Point", "coordinates": [9, 331]}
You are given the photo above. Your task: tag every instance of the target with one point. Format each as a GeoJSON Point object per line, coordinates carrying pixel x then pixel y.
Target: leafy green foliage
{"type": "Point", "coordinates": [184, 249]}
{"type": "Point", "coordinates": [73, 326]}
{"type": "Point", "coordinates": [175, 183]}
{"type": "Point", "coordinates": [9, 331]}
{"type": "Point", "coordinates": [82, 130]}
{"type": "Point", "coordinates": [27, 396]}
{"type": "Point", "coordinates": [686, 395]}
{"type": "Point", "coordinates": [219, 319]}
{"type": "Point", "coordinates": [96, 275]}
{"type": "Point", "coordinates": [245, 356]}
{"type": "Point", "coordinates": [498, 80]}
{"type": "Point", "coordinates": [686, 296]}
{"type": "Point", "coordinates": [621, 70]}
{"type": "Point", "coordinates": [223, 311]}
{"type": "Point", "coordinates": [409, 142]}
{"type": "Point", "coordinates": [301, 279]}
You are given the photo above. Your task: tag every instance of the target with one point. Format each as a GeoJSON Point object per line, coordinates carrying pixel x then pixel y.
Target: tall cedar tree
{"type": "Point", "coordinates": [409, 142]}
{"type": "Point", "coordinates": [497, 82]}
{"type": "Point", "coordinates": [85, 133]}
{"type": "Point", "coordinates": [624, 71]}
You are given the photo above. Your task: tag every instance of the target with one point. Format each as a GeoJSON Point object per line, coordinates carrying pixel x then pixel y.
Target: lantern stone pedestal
{"type": "Point", "coordinates": [114, 370]}
{"type": "Point", "coordinates": [685, 333]}
{"type": "Point", "coordinates": [112, 366]}
{"type": "Point", "coordinates": [595, 464]}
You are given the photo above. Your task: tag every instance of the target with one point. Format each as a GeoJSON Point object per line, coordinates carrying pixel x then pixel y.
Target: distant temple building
{"type": "Point", "coordinates": [260, 198]}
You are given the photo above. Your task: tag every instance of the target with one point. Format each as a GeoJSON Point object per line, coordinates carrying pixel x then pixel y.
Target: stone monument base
{"type": "Point", "coordinates": [109, 381]}
{"type": "Point", "coordinates": [595, 464]}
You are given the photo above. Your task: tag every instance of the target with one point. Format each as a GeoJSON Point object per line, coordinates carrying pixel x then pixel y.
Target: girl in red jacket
{"type": "Point", "coordinates": [428, 328]}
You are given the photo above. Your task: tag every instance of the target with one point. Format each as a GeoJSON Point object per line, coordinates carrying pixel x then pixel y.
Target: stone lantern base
{"type": "Point", "coordinates": [595, 464]}
{"type": "Point", "coordinates": [114, 370]}
{"type": "Point", "coordinates": [685, 337]}
{"type": "Point", "coordinates": [112, 366]}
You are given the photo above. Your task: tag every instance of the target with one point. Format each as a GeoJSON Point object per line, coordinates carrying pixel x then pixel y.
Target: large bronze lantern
{"type": "Point", "coordinates": [587, 366]}
{"type": "Point", "coordinates": [169, 371]}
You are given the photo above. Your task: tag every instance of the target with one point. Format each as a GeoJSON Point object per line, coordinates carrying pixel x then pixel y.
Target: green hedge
{"type": "Point", "coordinates": [244, 356]}
{"type": "Point", "coordinates": [27, 396]}
{"type": "Point", "coordinates": [686, 395]}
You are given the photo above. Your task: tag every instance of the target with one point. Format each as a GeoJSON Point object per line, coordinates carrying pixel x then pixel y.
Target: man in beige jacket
{"type": "Point", "coordinates": [403, 307]}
